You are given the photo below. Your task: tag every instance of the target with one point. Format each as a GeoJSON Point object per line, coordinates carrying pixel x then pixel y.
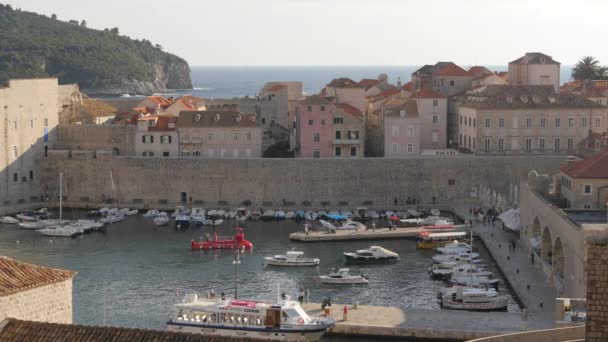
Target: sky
{"type": "Point", "coordinates": [349, 32]}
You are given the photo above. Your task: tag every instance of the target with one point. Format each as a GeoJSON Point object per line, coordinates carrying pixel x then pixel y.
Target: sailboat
{"type": "Point", "coordinates": [62, 229]}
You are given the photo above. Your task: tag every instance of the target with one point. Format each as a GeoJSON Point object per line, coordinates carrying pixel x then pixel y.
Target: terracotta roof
{"type": "Point", "coordinates": [427, 94]}
{"type": "Point", "coordinates": [385, 93]}
{"type": "Point", "coordinates": [368, 82]}
{"type": "Point", "coordinates": [479, 71]}
{"type": "Point", "coordinates": [409, 86]}
{"type": "Point", "coordinates": [163, 102]}
{"type": "Point", "coordinates": [343, 82]}
{"type": "Point", "coordinates": [452, 70]}
{"type": "Point", "coordinates": [214, 118]}
{"type": "Point", "coordinates": [12, 330]}
{"type": "Point", "coordinates": [597, 92]}
{"type": "Point", "coordinates": [592, 167]}
{"type": "Point", "coordinates": [192, 100]}
{"type": "Point", "coordinates": [276, 87]}
{"type": "Point", "coordinates": [503, 74]}
{"type": "Point", "coordinates": [162, 124]}
{"type": "Point", "coordinates": [534, 58]}
{"type": "Point", "coordinates": [315, 100]}
{"type": "Point", "coordinates": [346, 108]}
{"type": "Point", "coordinates": [18, 276]}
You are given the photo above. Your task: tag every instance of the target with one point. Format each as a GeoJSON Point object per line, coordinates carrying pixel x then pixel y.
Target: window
{"type": "Point", "coordinates": [46, 122]}
{"type": "Point", "coordinates": [543, 122]}
{"type": "Point", "coordinates": [435, 103]}
{"type": "Point", "coordinates": [395, 148]}
{"type": "Point", "coordinates": [338, 151]}
{"type": "Point", "coordinates": [316, 154]}
{"type": "Point", "coordinates": [570, 122]}
{"type": "Point", "coordinates": [338, 134]}
{"type": "Point", "coordinates": [435, 119]}
{"type": "Point", "coordinates": [322, 108]}
{"type": "Point", "coordinates": [309, 108]}
{"type": "Point", "coordinates": [501, 144]}
{"type": "Point", "coordinates": [338, 121]}
{"type": "Point", "coordinates": [474, 123]}
{"type": "Point", "coordinates": [31, 123]}
{"type": "Point", "coordinates": [541, 144]}
{"type": "Point", "coordinates": [353, 135]}
{"type": "Point", "coordinates": [310, 122]}
{"type": "Point", "coordinates": [248, 135]}
{"type": "Point", "coordinates": [501, 122]}
{"type": "Point", "coordinates": [15, 124]}
{"type": "Point", "coordinates": [263, 121]}
{"type": "Point", "coordinates": [317, 137]}
{"type": "Point", "coordinates": [15, 177]}
{"type": "Point", "coordinates": [598, 121]}
{"type": "Point", "coordinates": [514, 122]}
{"type": "Point", "coordinates": [587, 188]}
{"type": "Point", "coordinates": [487, 144]}
{"type": "Point", "coordinates": [528, 144]}
{"type": "Point", "coordinates": [31, 175]}
{"type": "Point", "coordinates": [210, 135]}
{"type": "Point", "coordinates": [165, 139]}
{"type": "Point", "coordinates": [147, 139]}
{"type": "Point", "coordinates": [488, 123]}
{"type": "Point", "coordinates": [410, 148]}
{"type": "Point", "coordinates": [165, 154]}
{"type": "Point", "coordinates": [451, 83]}
{"type": "Point", "coordinates": [323, 122]}
{"type": "Point", "coordinates": [473, 143]}
{"type": "Point", "coordinates": [395, 131]}
{"type": "Point", "coordinates": [353, 151]}
{"type": "Point", "coordinates": [587, 206]}
{"type": "Point", "coordinates": [235, 136]}
{"type": "Point", "coordinates": [410, 131]}
{"type": "Point", "coordinates": [570, 143]}
{"type": "Point", "coordinates": [558, 123]}
{"type": "Point", "coordinates": [435, 136]}
{"type": "Point", "coordinates": [460, 140]}
{"type": "Point", "coordinates": [584, 121]}
{"type": "Point", "coordinates": [528, 122]}
{"type": "Point", "coordinates": [556, 144]}
{"type": "Point", "coordinates": [461, 119]}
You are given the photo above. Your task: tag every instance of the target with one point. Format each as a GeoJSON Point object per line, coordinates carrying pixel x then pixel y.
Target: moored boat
{"type": "Point", "coordinates": [242, 214]}
{"type": "Point", "coordinates": [151, 213]}
{"type": "Point", "coordinates": [238, 241]}
{"type": "Point", "coordinates": [8, 220]}
{"type": "Point", "coordinates": [182, 220]}
{"type": "Point", "coordinates": [372, 254]}
{"type": "Point", "coordinates": [161, 219]}
{"type": "Point", "coordinates": [291, 258]}
{"type": "Point", "coordinates": [473, 298]}
{"type": "Point", "coordinates": [342, 276]}
{"type": "Point", "coordinates": [427, 240]}
{"type": "Point", "coordinates": [256, 215]}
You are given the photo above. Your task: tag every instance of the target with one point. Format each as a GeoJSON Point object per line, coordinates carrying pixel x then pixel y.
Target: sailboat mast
{"type": "Point", "coordinates": [60, 196]}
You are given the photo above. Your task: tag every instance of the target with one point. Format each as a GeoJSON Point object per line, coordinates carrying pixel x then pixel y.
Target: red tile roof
{"type": "Point", "coordinates": [409, 86]}
{"type": "Point", "coordinates": [276, 87]}
{"type": "Point", "coordinates": [162, 124]}
{"type": "Point", "coordinates": [452, 70]}
{"type": "Point", "coordinates": [479, 71]}
{"type": "Point", "coordinates": [13, 330]}
{"type": "Point", "coordinates": [17, 276]}
{"type": "Point", "coordinates": [159, 100]}
{"type": "Point", "coordinates": [368, 82]}
{"type": "Point", "coordinates": [592, 167]}
{"type": "Point", "coordinates": [427, 94]}
{"type": "Point", "coordinates": [346, 108]}
{"type": "Point", "coordinates": [191, 100]}
{"type": "Point", "coordinates": [386, 93]}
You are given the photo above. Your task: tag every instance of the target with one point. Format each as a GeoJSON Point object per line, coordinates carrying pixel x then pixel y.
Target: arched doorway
{"type": "Point", "coordinates": [536, 228]}
{"type": "Point", "coordinates": [547, 247]}
{"type": "Point", "coordinates": [558, 258]}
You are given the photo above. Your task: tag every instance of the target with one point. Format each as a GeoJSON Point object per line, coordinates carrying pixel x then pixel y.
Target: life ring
{"type": "Point", "coordinates": [301, 320]}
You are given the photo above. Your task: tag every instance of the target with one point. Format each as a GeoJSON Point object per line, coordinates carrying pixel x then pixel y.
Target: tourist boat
{"type": "Point", "coordinates": [8, 220]}
{"type": "Point", "coordinates": [435, 212]}
{"type": "Point", "coordinates": [238, 241]}
{"type": "Point", "coordinates": [342, 276]}
{"type": "Point", "coordinates": [372, 254]}
{"type": "Point", "coordinates": [290, 215]}
{"type": "Point", "coordinates": [27, 215]}
{"type": "Point", "coordinates": [182, 220]}
{"type": "Point", "coordinates": [62, 231]}
{"type": "Point", "coordinates": [151, 213]}
{"type": "Point", "coordinates": [310, 215]}
{"type": "Point", "coordinates": [473, 298]}
{"type": "Point", "coordinates": [427, 240]}
{"type": "Point", "coordinates": [161, 219]}
{"type": "Point", "coordinates": [256, 215]}
{"type": "Point", "coordinates": [242, 214]}
{"type": "Point", "coordinates": [31, 225]}
{"type": "Point", "coordinates": [474, 281]}
{"type": "Point", "coordinates": [291, 258]}
{"type": "Point", "coordinates": [284, 320]}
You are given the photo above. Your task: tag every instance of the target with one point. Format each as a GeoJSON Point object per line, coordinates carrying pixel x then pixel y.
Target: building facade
{"type": "Point", "coordinates": [314, 128]}
{"type": "Point", "coordinates": [400, 122]}
{"type": "Point", "coordinates": [345, 90]}
{"type": "Point", "coordinates": [219, 134]}
{"type": "Point", "coordinates": [349, 132]}
{"type": "Point", "coordinates": [534, 68]}
{"type": "Point", "coordinates": [432, 112]}
{"type": "Point", "coordinates": [446, 78]}
{"type": "Point", "coordinates": [584, 183]}
{"type": "Point", "coordinates": [526, 120]}
{"type": "Point", "coordinates": [156, 136]}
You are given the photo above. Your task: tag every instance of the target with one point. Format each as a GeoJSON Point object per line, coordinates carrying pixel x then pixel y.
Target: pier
{"type": "Point", "coordinates": [370, 234]}
{"type": "Point", "coordinates": [381, 321]}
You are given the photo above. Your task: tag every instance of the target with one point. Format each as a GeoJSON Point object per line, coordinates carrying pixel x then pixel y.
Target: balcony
{"type": "Point", "coordinates": [347, 141]}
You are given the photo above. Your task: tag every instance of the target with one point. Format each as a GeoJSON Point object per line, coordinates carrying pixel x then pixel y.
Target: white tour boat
{"type": "Point", "coordinates": [374, 253]}
{"type": "Point", "coordinates": [342, 276]}
{"type": "Point", "coordinates": [8, 220]}
{"type": "Point", "coordinates": [284, 320]}
{"type": "Point", "coordinates": [473, 298]}
{"type": "Point", "coordinates": [291, 258]}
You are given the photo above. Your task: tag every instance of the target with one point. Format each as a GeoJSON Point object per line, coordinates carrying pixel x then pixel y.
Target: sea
{"type": "Point", "coordinates": [213, 82]}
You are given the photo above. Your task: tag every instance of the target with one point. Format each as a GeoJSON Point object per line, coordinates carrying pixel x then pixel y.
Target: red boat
{"type": "Point", "coordinates": [237, 242]}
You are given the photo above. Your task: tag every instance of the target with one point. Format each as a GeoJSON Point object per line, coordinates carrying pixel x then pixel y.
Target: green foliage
{"type": "Point", "coordinates": [33, 45]}
{"type": "Point", "coordinates": [588, 68]}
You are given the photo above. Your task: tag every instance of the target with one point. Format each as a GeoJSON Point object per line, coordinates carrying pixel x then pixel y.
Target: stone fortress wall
{"type": "Point", "coordinates": [49, 303]}
{"type": "Point", "coordinates": [373, 182]}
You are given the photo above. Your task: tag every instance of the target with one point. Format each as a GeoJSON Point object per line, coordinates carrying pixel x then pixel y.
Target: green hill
{"type": "Point", "coordinates": [33, 45]}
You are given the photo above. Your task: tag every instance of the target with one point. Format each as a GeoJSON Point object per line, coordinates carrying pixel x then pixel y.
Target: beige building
{"type": "Point", "coordinates": [534, 68]}
{"type": "Point", "coordinates": [526, 120]}
{"type": "Point", "coordinates": [432, 111]}
{"type": "Point", "coordinates": [349, 132]}
{"type": "Point", "coordinates": [219, 134]}
{"type": "Point", "coordinates": [35, 293]}
{"type": "Point", "coordinates": [345, 90]}
{"type": "Point", "coordinates": [29, 109]}
{"type": "Point", "coordinates": [446, 78]}
{"type": "Point", "coordinates": [156, 136]}
{"type": "Point", "coordinates": [400, 123]}
{"type": "Point", "coordinates": [584, 183]}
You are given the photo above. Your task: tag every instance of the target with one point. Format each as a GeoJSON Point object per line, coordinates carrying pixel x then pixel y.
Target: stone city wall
{"type": "Point", "coordinates": [597, 290]}
{"type": "Point", "coordinates": [97, 137]}
{"type": "Point", "coordinates": [382, 183]}
{"type": "Point", "coordinates": [550, 335]}
{"type": "Point", "coordinates": [50, 303]}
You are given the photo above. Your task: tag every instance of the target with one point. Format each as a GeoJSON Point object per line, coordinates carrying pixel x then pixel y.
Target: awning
{"type": "Point", "coordinates": [511, 219]}
{"type": "Point", "coordinates": [337, 217]}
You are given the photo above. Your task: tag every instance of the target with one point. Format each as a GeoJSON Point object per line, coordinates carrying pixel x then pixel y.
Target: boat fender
{"type": "Point", "coordinates": [301, 320]}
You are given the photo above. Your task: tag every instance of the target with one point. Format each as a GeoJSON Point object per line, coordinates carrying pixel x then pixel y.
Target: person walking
{"type": "Point", "coordinates": [374, 226]}
{"type": "Point", "coordinates": [301, 296]}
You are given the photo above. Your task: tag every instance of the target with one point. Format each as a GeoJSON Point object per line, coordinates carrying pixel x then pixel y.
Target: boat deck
{"type": "Point", "coordinates": [420, 323]}
{"type": "Point", "coordinates": [379, 233]}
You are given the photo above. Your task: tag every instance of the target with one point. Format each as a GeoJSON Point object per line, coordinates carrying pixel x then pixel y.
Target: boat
{"type": "Point", "coordinates": [455, 257]}
{"type": "Point", "coordinates": [456, 247]}
{"type": "Point", "coordinates": [42, 214]}
{"type": "Point", "coordinates": [342, 276]}
{"type": "Point", "coordinates": [92, 224]}
{"type": "Point", "coordinates": [180, 210]}
{"type": "Point", "coordinates": [112, 211]}
{"type": "Point", "coordinates": [230, 214]}
{"type": "Point", "coordinates": [197, 219]}
{"type": "Point", "coordinates": [300, 215]}
{"type": "Point", "coordinates": [413, 212]}
{"type": "Point", "coordinates": [310, 215]}
{"type": "Point", "coordinates": [361, 214]}
{"type": "Point", "coordinates": [242, 214]}
{"type": "Point", "coordinates": [349, 214]}
{"type": "Point", "coordinates": [197, 212]}
{"type": "Point", "coordinates": [8, 220]}
{"type": "Point", "coordinates": [209, 222]}
{"type": "Point", "coordinates": [353, 225]}
{"type": "Point", "coordinates": [473, 298]}
{"type": "Point", "coordinates": [291, 258]}
{"type": "Point", "coordinates": [221, 213]}
{"type": "Point", "coordinates": [435, 212]}
{"type": "Point", "coordinates": [132, 212]}
{"type": "Point", "coordinates": [427, 240]}
{"type": "Point", "coordinates": [238, 241]}
{"type": "Point", "coordinates": [373, 214]}
{"type": "Point", "coordinates": [450, 269]}
{"type": "Point", "coordinates": [279, 215]}
{"type": "Point", "coordinates": [161, 219]}
{"type": "Point", "coordinates": [283, 320]}
{"type": "Point", "coordinates": [256, 215]}
{"type": "Point", "coordinates": [31, 225]}
{"type": "Point", "coordinates": [290, 215]}
{"type": "Point", "coordinates": [182, 220]}
{"type": "Point", "coordinates": [374, 253]}
{"type": "Point", "coordinates": [435, 221]}
{"type": "Point", "coordinates": [151, 213]}
{"type": "Point", "coordinates": [474, 281]}
{"type": "Point", "coordinates": [268, 215]}
{"type": "Point", "coordinates": [27, 215]}
{"type": "Point", "coordinates": [62, 231]}
{"type": "Point", "coordinates": [94, 213]}
{"type": "Point", "coordinates": [113, 218]}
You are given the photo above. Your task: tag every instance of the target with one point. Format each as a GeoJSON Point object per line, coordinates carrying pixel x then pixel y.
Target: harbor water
{"type": "Point", "coordinates": [131, 274]}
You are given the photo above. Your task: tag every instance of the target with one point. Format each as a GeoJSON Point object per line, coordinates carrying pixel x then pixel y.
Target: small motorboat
{"type": "Point", "coordinates": [291, 258]}
{"type": "Point", "coordinates": [473, 298]}
{"type": "Point", "coordinates": [279, 215]}
{"type": "Point", "coordinates": [238, 241]}
{"type": "Point", "coordinates": [290, 215]}
{"type": "Point", "coordinates": [256, 215]}
{"type": "Point", "coordinates": [268, 215]}
{"type": "Point", "coordinates": [27, 215]}
{"type": "Point", "coordinates": [112, 218]}
{"type": "Point", "coordinates": [161, 219]}
{"type": "Point", "coordinates": [132, 212]}
{"type": "Point", "coordinates": [151, 213]}
{"type": "Point", "coordinates": [372, 254]}
{"type": "Point", "coordinates": [8, 220]}
{"type": "Point", "coordinates": [182, 220]}
{"type": "Point", "coordinates": [31, 225]}
{"type": "Point", "coordinates": [341, 276]}
{"type": "Point", "coordinates": [310, 215]}
{"type": "Point", "coordinates": [212, 213]}
{"type": "Point", "coordinates": [231, 215]}
{"type": "Point", "coordinates": [242, 214]}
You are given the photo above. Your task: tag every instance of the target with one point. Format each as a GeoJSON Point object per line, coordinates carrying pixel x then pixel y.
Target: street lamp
{"type": "Point", "coordinates": [235, 262]}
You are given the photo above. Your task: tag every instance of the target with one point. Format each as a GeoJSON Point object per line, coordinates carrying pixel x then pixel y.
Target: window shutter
{"type": "Point", "coordinates": [169, 138]}
{"type": "Point", "coordinates": [151, 138]}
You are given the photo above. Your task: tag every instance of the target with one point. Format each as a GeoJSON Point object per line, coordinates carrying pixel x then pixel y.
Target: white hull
{"type": "Point", "coordinates": [343, 281]}
{"type": "Point", "coordinates": [268, 335]}
{"type": "Point", "coordinates": [31, 225]}
{"type": "Point", "coordinates": [272, 262]}
{"type": "Point", "coordinates": [9, 220]}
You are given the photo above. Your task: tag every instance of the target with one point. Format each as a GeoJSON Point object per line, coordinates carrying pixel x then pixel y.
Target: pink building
{"type": "Point", "coordinates": [314, 128]}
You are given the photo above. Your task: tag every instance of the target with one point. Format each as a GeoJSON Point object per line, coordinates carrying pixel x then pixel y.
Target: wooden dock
{"type": "Point", "coordinates": [377, 234]}
{"type": "Point", "coordinates": [420, 323]}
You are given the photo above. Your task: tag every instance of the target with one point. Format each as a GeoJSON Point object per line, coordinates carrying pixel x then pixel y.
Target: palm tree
{"type": "Point", "coordinates": [585, 69]}
{"type": "Point", "coordinates": [602, 73]}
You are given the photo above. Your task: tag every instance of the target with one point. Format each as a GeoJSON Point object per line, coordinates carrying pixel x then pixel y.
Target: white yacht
{"type": "Point", "coordinates": [8, 220]}
{"type": "Point", "coordinates": [284, 320]}
{"type": "Point", "coordinates": [161, 219]}
{"type": "Point", "coordinates": [354, 225]}
{"type": "Point", "coordinates": [290, 215]}
{"type": "Point", "coordinates": [473, 298]}
{"type": "Point", "coordinates": [291, 258]}
{"type": "Point", "coordinates": [62, 231]}
{"type": "Point", "coordinates": [374, 253]}
{"type": "Point", "coordinates": [151, 213]}
{"type": "Point", "coordinates": [342, 276]}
